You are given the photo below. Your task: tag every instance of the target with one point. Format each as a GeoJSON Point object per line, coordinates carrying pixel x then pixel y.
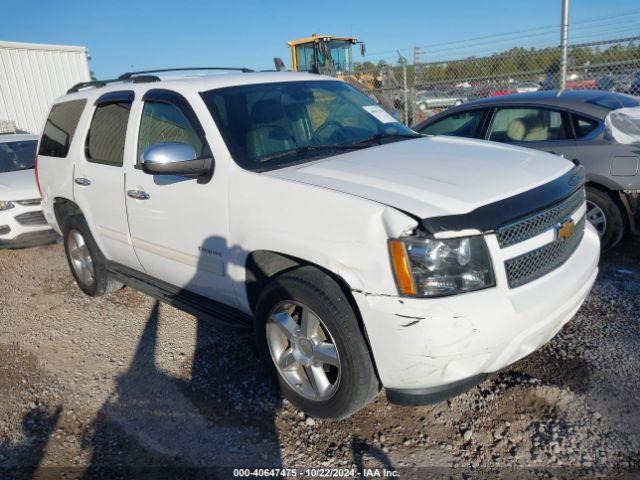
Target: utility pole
{"type": "Point", "coordinates": [416, 55]}
{"type": "Point", "coordinates": [415, 80]}
{"type": "Point", "coordinates": [564, 37]}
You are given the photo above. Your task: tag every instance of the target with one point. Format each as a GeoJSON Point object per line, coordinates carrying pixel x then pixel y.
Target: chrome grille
{"type": "Point", "coordinates": [31, 218]}
{"type": "Point", "coordinates": [537, 223]}
{"type": "Point", "coordinates": [537, 263]}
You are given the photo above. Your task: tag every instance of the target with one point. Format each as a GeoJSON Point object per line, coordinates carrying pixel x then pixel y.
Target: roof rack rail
{"type": "Point", "coordinates": [128, 75]}
{"type": "Point", "coordinates": [93, 83]}
{"type": "Point", "coordinates": [102, 83]}
{"type": "Point", "coordinates": [143, 76]}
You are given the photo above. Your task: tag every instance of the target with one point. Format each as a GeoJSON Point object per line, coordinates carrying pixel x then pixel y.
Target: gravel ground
{"type": "Point", "coordinates": [113, 386]}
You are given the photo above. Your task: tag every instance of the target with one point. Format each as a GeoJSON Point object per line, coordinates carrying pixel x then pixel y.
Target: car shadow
{"type": "Point", "coordinates": [38, 424]}
{"type": "Point", "coordinates": [217, 414]}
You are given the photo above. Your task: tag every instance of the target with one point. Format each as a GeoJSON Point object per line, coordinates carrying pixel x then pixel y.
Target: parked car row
{"type": "Point", "coordinates": [426, 99]}
{"type": "Point", "coordinates": [620, 83]}
{"type": "Point", "coordinates": [448, 95]}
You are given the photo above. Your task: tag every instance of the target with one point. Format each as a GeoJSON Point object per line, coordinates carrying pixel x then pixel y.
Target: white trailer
{"type": "Point", "coordinates": [32, 76]}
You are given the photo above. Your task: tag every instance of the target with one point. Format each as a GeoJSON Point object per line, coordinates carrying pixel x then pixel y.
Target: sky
{"type": "Point", "coordinates": [138, 34]}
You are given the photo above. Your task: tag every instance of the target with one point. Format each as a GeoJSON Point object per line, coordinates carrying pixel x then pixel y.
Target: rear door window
{"type": "Point", "coordinates": [526, 125]}
{"type": "Point", "coordinates": [106, 137]}
{"type": "Point", "coordinates": [60, 128]}
{"type": "Point", "coordinates": [463, 124]}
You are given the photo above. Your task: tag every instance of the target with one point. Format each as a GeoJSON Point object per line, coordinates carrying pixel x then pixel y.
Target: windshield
{"type": "Point", "coordinates": [273, 125]}
{"type": "Point", "coordinates": [340, 58]}
{"type": "Point", "coordinates": [17, 155]}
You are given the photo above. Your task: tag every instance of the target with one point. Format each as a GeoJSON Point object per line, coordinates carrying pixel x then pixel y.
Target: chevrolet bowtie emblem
{"type": "Point", "coordinates": [565, 230]}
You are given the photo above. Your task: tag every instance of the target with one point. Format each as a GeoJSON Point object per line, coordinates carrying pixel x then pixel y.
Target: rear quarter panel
{"type": "Point", "coordinates": [56, 175]}
{"type": "Point", "coordinates": [598, 157]}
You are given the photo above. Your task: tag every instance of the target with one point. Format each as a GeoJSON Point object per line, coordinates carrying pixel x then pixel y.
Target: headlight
{"type": "Point", "coordinates": [4, 205]}
{"type": "Point", "coordinates": [429, 267]}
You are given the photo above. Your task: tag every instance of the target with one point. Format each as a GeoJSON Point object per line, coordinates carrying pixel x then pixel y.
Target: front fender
{"type": "Point", "coordinates": [344, 234]}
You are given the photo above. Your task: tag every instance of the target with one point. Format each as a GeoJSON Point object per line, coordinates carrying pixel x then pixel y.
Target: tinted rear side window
{"type": "Point", "coordinates": [105, 140]}
{"type": "Point", "coordinates": [583, 126]}
{"type": "Point", "coordinates": [60, 127]}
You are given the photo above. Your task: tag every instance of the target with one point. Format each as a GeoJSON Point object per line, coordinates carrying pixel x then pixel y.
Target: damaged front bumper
{"type": "Point", "coordinates": [431, 349]}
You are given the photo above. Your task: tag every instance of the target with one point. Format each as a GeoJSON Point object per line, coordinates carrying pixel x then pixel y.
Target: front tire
{"type": "Point", "coordinates": [310, 340]}
{"type": "Point", "coordinates": [87, 264]}
{"type": "Point", "coordinates": [606, 216]}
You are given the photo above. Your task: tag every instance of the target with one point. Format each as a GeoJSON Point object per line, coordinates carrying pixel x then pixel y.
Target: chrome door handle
{"type": "Point", "coordinates": [138, 194]}
{"type": "Point", "coordinates": [85, 182]}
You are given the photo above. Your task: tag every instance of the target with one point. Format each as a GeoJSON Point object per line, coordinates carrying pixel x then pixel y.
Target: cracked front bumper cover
{"type": "Point", "coordinates": [448, 342]}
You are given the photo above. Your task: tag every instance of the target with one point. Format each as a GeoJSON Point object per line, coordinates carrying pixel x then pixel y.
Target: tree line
{"type": "Point", "coordinates": [515, 61]}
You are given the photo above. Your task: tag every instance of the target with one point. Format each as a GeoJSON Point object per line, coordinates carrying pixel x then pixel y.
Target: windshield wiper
{"type": "Point", "coordinates": [310, 148]}
{"type": "Point", "coordinates": [381, 136]}
{"type": "Point", "coordinates": [338, 146]}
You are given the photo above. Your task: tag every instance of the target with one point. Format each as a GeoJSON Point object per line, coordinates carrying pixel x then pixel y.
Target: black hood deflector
{"type": "Point", "coordinates": [491, 216]}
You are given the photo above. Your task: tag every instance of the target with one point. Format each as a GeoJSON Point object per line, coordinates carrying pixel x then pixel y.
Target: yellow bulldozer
{"type": "Point", "coordinates": [325, 54]}
{"type": "Point", "coordinates": [333, 55]}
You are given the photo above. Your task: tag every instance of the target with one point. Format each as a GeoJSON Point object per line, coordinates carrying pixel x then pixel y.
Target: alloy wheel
{"type": "Point", "coordinates": [596, 216]}
{"type": "Point", "coordinates": [80, 257]}
{"type": "Point", "coordinates": [303, 350]}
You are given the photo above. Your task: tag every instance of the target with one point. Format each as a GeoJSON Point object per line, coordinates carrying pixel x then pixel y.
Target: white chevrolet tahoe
{"type": "Point", "coordinates": [364, 254]}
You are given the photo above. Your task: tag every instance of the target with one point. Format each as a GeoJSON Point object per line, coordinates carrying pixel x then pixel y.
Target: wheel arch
{"type": "Point", "coordinates": [64, 208]}
{"type": "Point", "coordinates": [620, 199]}
{"type": "Point", "coordinates": [263, 265]}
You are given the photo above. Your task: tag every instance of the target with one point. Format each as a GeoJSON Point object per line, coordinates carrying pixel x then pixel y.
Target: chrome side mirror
{"type": "Point", "coordinates": [173, 158]}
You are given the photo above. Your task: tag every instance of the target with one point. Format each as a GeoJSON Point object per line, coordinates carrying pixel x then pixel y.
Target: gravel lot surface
{"type": "Point", "coordinates": [112, 386]}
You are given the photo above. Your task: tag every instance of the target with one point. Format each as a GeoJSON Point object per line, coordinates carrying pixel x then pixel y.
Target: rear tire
{"type": "Point", "coordinates": [87, 264]}
{"type": "Point", "coordinates": [349, 375]}
{"type": "Point", "coordinates": [606, 216]}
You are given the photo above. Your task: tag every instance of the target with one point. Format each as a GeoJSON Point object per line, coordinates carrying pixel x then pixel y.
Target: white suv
{"type": "Point", "coordinates": [364, 254]}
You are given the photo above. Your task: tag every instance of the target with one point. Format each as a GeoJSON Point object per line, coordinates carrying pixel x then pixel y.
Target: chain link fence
{"type": "Point", "coordinates": [417, 91]}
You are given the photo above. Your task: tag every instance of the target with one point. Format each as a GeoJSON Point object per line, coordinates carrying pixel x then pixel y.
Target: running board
{"type": "Point", "coordinates": [197, 305]}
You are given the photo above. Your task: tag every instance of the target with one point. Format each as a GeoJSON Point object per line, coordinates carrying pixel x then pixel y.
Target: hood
{"type": "Point", "coordinates": [432, 176]}
{"type": "Point", "coordinates": [20, 185]}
